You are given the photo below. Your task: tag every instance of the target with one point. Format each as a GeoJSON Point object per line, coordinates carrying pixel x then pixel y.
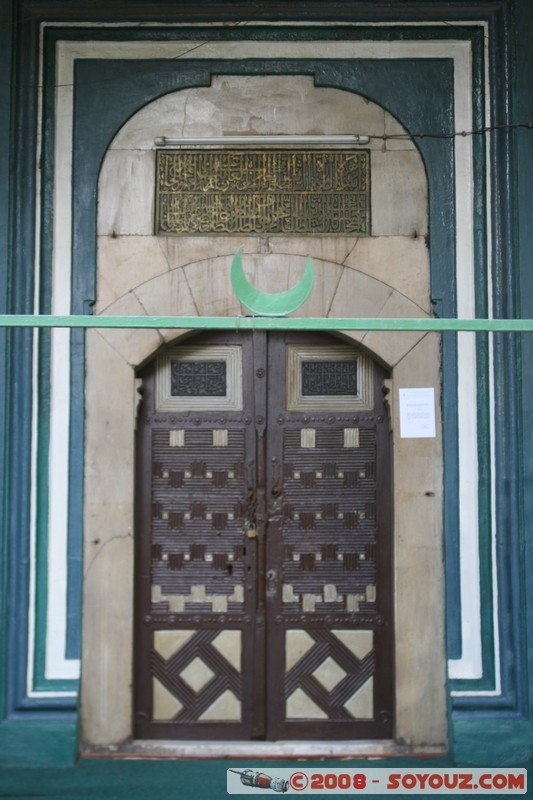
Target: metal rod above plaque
{"type": "Point", "coordinates": [262, 192]}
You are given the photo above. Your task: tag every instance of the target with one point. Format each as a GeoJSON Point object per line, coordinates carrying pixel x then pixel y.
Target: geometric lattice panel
{"type": "Point", "coordinates": [333, 676]}
{"type": "Point", "coordinates": [197, 490]}
{"type": "Point", "coordinates": [330, 530]}
{"type": "Point", "coordinates": [197, 675]}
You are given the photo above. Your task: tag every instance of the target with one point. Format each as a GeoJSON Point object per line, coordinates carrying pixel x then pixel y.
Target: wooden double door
{"type": "Point", "coordinates": [263, 541]}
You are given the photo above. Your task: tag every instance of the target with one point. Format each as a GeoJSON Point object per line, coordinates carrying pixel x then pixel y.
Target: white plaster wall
{"type": "Point", "coordinates": [386, 274]}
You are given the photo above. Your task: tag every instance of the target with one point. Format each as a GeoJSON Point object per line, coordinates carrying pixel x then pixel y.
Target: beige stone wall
{"type": "Point", "coordinates": [386, 274]}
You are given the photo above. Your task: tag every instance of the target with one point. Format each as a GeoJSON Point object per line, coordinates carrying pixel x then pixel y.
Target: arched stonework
{"type": "Point", "coordinates": [385, 274]}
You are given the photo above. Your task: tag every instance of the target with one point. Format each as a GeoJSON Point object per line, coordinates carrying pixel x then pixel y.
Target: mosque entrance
{"type": "Point", "coordinates": [263, 541]}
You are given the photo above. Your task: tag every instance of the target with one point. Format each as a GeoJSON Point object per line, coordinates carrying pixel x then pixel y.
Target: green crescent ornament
{"type": "Point", "coordinates": [266, 304]}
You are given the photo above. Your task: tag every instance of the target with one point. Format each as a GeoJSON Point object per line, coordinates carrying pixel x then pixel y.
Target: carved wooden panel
{"type": "Point", "coordinates": [197, 491]}
{"type": "Point", "coordinates": [320, 512]}
{"type": "Point", "coordinates": [329, 674]}
{"type": "Point", "coordinates": [333, 377]}
{"type": "Point", "coordinates": [197, 676]}
{"type": "Point", "coordinates": [189, 377]}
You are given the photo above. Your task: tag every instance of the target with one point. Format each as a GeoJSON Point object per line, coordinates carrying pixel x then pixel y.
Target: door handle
{"type": "Point", "coordinates": [271, 574]}
{"type": "Point", "coordinates": [276, 490]}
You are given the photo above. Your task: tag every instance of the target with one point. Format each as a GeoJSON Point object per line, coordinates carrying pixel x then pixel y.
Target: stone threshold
{"type": "Point", "coordinates": [163, 749]}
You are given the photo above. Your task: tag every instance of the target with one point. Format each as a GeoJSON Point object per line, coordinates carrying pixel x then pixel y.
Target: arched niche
{"type": "Point", "coordinates": [385, 274]}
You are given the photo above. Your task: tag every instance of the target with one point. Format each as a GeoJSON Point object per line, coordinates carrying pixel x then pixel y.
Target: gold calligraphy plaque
{"type": "Point", "coordinates": [261, 192]}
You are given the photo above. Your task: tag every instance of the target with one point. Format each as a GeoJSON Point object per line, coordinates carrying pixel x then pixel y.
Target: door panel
{"type": "Point", "coordinates": [196, 566]}
{"type": "Point", "coordinates": [328, 544]}
{"type": "Point", "coordinates": [263, 593]}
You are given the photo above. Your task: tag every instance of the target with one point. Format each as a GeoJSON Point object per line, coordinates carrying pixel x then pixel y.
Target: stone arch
{"type": "Point", "coordinates": [200, 288]}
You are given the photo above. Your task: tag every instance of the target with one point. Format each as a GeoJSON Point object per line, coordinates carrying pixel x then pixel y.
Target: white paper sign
{"type": "Point", "coordinates": [417, 413]}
